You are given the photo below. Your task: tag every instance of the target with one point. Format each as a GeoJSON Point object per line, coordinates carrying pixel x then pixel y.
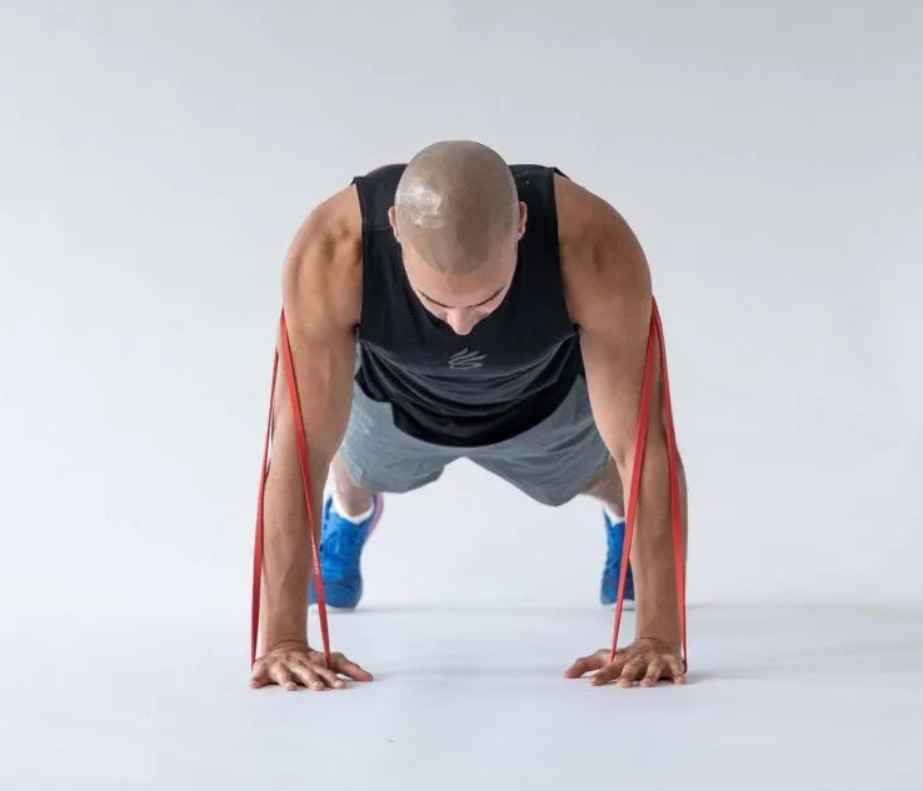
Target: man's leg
{"type": "Point", "coordinates": [607, 487]}
{"type": "Point", "coordinates": [375, 457]}
{"type": "Point", "coordinates": [350, 497]}
{"type": "Point", "coordinates": [559, 458]}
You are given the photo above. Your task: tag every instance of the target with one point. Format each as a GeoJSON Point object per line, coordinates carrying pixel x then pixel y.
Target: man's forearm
{"type": "Point", "coordinates": [287, 560]}
{"type": "Point", "coordinates": [652, 555]}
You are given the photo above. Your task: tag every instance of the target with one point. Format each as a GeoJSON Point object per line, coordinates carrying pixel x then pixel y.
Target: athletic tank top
{"type": "Point", "coordinates": [508, 374]}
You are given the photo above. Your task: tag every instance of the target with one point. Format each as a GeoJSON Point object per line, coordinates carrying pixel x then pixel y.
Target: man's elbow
{"type": "Point", "coordinates": [656, 456]}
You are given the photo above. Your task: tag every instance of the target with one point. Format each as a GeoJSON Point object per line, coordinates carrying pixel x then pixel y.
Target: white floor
{"type": "Point", "coordinates": [797, 698]}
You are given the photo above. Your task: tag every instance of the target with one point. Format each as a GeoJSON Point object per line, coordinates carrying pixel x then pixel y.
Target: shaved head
{"type": "Point", "coordinates": [456, 205]}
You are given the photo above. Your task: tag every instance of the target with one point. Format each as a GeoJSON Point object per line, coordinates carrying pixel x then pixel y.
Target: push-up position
{"type": "Point", "coordinates": [457, 307]}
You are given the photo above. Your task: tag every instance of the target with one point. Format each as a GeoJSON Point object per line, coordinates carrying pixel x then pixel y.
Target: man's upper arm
{"type": "Point", "coordinates": [321, 295]}
{"type": "Point", "coordinates": [609, 296]}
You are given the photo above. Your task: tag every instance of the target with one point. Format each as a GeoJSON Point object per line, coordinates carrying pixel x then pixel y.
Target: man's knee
{"type": "Point", "coordinates": [606, 485]}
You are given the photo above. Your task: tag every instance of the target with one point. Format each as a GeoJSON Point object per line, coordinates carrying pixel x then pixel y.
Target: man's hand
{"type": "Point", "coordinates": [291, 665]}
{"type": "Point", "coordinates": [646, 660]}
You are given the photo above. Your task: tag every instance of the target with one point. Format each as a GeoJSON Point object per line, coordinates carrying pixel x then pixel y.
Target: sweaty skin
{"type": "Point", "coordinates": [608, 294]}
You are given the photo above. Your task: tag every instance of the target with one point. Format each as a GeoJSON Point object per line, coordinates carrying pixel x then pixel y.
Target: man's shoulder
{"type": "Point", "coordinates": [584, 217]}
{"type": "Point", "coordinates": [331, 233]}
{"type": "Point", "coordinates": [601, 258]}
{"type": "Point", "coordinates": [323, 266]}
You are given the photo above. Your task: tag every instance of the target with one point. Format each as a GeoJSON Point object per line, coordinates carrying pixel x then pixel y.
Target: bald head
{"type": "Point", "coordinates": [457, 205]}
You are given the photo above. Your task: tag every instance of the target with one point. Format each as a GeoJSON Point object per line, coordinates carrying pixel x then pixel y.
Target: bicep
{"type": "Point", "coordinates": [321, 339]}
{"type": "Point", "coordinates": [615, 324]}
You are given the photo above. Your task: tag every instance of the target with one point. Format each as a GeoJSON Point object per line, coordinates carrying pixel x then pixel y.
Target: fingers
{"type": "Point", "coordinates": [308, 676]}
{"type": "Point", "coordinates": [290, 668]}
{"type": "Point", "coordinates": [258, 677]}
{"type": "Point", "coordinates": [266, 672]}
{"type": "Point", "coordinates": [675, 664]}
{"type": "Point", "coordinates": [654, 672]}
{"type": "Point", "coordinates": [632, 672]}
{"type": "Point", "coordinates": [350, 669]}
{"type": "Point", "coordinates": [612, 671]}
{"type": "Point", "coordinates": [585, 664]}
{"type": "Point", "coordinates": [330, 677]}
{"type": "Point", "coordinates": [646, 668]}
{"type": "Point", "coordinates": [289, 674]}
{"type": "Point", "coordinates": [279, 673]}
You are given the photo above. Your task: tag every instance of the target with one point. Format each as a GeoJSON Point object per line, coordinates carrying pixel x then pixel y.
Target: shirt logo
{"type": "Point", "coordinates": [467, 359]}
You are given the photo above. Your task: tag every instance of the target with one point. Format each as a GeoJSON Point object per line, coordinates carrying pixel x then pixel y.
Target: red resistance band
{"type": "Point", "coordinates": [655, 334]}
{"type": "Point", "coordinates": [300, 440]}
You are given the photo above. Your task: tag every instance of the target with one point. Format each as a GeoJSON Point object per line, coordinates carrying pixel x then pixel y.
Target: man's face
{"type": "Point", "coordinates": [462, 300]}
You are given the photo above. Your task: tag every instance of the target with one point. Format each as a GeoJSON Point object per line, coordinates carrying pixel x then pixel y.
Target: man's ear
{"type": "Point", "coordinates": [392, 219]}
{"type": "Point", "coordinates": [523, 216]}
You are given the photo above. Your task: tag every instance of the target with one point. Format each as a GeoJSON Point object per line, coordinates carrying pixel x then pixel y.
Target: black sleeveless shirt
{"type": "Point", "coordinates": [509, 373]}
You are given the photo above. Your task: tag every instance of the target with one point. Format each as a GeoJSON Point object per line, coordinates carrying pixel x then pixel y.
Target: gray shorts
{"type": "Point", "coordinates": [551, 462]}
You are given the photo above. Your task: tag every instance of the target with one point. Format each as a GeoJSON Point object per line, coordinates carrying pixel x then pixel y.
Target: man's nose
{"type": "Point", "coordinates": [461, 321]}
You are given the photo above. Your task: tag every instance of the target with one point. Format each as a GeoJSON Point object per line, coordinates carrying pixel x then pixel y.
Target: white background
{"type": "Point", "coordinates": [156, 158]}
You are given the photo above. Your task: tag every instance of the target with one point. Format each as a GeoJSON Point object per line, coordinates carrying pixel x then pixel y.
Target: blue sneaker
{"type": "Point", "coordinates": [608, 589]}
{"type": "Point", "coordinates": [341, 547]}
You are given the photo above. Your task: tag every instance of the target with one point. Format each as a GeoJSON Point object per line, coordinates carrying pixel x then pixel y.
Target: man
{"type": "Point", "coordinates": [461, 307]}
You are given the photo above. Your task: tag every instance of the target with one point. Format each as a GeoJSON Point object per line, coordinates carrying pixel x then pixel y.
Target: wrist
{"type": "Point", "coordinates": [283, 643]}
{"type": "Point", "coordinates": [285, 633]}
{"type": "Point", "coordinates": [660, 627]}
